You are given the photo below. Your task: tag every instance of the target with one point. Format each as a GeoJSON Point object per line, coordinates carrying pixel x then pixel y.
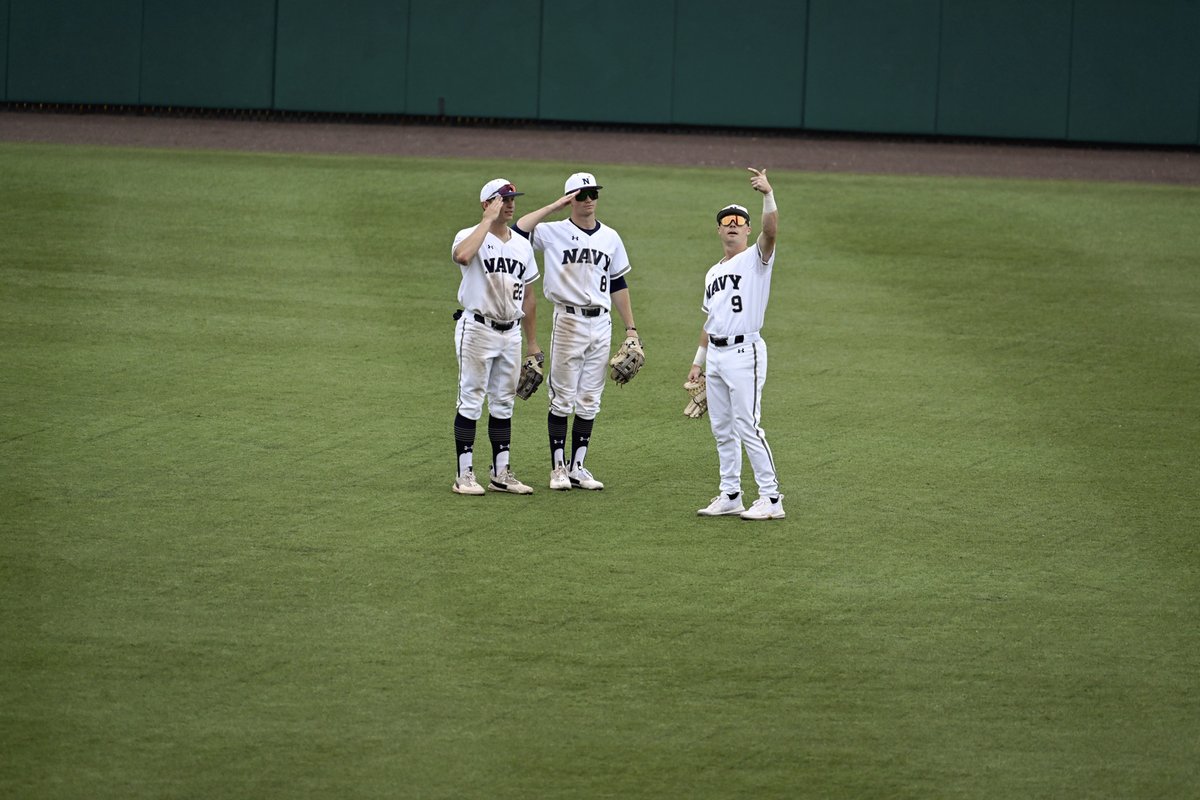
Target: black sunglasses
{"type": "Point", "coordinates": [587, 194]}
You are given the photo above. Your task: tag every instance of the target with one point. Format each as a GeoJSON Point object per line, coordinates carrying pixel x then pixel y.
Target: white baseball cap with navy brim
{"type": "Point", "coordinates": [498, 187]}
{"type": "Point", "coordinates": [580, 180]}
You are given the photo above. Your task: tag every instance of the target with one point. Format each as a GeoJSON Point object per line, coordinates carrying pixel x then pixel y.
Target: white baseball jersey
{"type": "Point", "coordinates": [493, 283]}
{"type": "Point", "coordinates": [736, 293]}
{"type": "Point", "coordinates": [579, 264]}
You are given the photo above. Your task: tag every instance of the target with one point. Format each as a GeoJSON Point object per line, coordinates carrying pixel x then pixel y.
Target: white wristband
{"type": "Point", "coordinates": [701, 353]}
{"type": "Point", "coordinates": [769, 203]}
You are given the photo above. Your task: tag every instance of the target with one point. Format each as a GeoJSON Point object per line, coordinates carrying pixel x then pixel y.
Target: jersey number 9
{"type": "Point", "coordinates": [736, 302]}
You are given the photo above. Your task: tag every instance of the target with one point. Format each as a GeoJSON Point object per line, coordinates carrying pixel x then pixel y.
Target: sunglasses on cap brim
{"type": "Point", "coordinates": [587, 194]}
{"type": "Point", "coordinates": [733, 219]}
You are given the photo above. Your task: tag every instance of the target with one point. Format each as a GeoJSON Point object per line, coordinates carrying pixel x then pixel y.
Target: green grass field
{"type": "Point", "coordinates": [231, 565]}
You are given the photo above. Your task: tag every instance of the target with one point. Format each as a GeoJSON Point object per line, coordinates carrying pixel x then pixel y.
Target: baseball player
{"type": "Point", "coordinates": [736, 290]}
{"type": "Point", "coordinates": [497, 268]}
{"type": "Point", "coordinates": [584, 264]}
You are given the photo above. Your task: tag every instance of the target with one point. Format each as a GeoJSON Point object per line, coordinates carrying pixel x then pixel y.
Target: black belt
{"type": "Point", "coordinates": [725, 341]}
{"type": "Point", "coordinates": [585, 312]}
{"type": "Point", "coordinates": [500, 326]}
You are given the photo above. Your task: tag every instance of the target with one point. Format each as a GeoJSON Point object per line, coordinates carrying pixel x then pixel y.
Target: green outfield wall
{"type": "Point", "coordinates": [351, 56]}
{"type": "Point", "coordinates": [1077, 70]}
{"type": "Point", "coordinates": [1005, 68]}
{"type": "Point", "coordinates": [482, 60]}
{"type": "Point", "coordinates": [4, 49]}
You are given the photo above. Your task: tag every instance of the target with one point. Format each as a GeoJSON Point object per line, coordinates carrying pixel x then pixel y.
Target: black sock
{"type": "Point", "coordinates": [581, 434]}
{"type": "Point", "coordinates": [558, 437]}
{"type": "Point", "coordinates": [464, 439]}
{"type": "Point", "coordinates": [500, 434]}
{"type": "Point", "coordinates": [732, 495]}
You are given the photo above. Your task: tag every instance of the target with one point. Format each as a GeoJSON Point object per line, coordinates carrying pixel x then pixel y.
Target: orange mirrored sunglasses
{"type": "Point", "coordinates": [733, 220]}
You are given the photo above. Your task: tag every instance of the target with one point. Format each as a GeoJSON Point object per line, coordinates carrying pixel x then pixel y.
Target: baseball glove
{"type": "Point", "coordinates": [628, 360]}
{"type": "Point", "coordinates": [531, 375]}
{"type": "Point", "coordinates": [698, 394]}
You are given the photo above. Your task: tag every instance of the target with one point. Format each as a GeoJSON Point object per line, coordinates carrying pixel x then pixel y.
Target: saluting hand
{"type": "Point", "coordinates": [759, 182]}
{"type": "Point", "coordinates": [491, 212]}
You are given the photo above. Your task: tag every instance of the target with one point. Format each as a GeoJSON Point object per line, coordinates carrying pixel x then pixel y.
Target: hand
{"type": "Point", "coordinates": [759, 182]}
{"type": "Point", "coordinates": [564, 201]}
{"type": "Point", "coordinates": [491, 211]}
{"type": "Point", "coordinates": [694, 372]}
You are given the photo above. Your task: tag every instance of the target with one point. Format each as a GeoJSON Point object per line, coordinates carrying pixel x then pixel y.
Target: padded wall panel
{"type": "Point", "coordinates": [607, 62]}
{"type": "Point", "coordinates": [3, 49]}
{"type": "Point", "coordinates": [1135, 72]}
{"type": "Point", "coordinates": [732, 70]}
{"type": "Point", "coordinates": [348, 57]}
{"type": "Point", "coordinates": [73, 51]}
{"type": "Point", "coordinates": [210, 54]}
{"type": "Point", "coordinates": [1005, 68]}
{"type": "Point", "coordinates": [872, 66]}
{"type": "Point", "coordinates": [480, 61]}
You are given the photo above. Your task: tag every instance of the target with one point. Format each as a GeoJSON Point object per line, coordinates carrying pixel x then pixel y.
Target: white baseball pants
{"type": "Point", "coordinates": [735, 378]}
{"type": "Point", "coordinates": [489, 364]}
{"type": "Point", "coordinates": [579, 353]}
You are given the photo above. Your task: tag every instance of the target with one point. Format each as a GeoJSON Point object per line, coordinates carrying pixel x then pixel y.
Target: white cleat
{"type": "Point", "coordinates": [765, 508]}
{"type": "Point", "coordinates": [722, 505]}
{"type": "Point", "coordinates": [582, 479]}
{"type": "Point", "coordinates": [507, 482]}
{"type": "Point", "coordinates": [559, 479]}
{"type": "Point", "coordinates": [466, 484]}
